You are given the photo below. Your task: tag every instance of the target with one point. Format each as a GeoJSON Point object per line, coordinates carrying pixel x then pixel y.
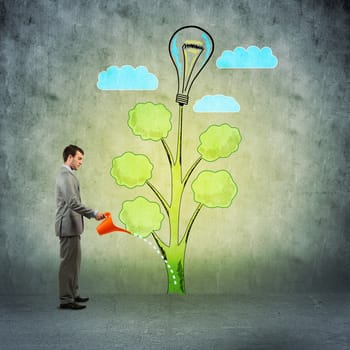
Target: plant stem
{"type": "Point", "coordinates": [190, 170]}
{"type": "Point", "coordinates": [189, 226]}
{"type": "Point", "coordinates": [174, 253]}
{"type": "Point", "coordinates": [161, 245]}
{"type": "Point", "coordinates": [179, 137]}
{"type": "Point", "coordinates": [168, 152]}
{"type": "Point", "coordinates": [174, 264]}
{"type": "Point", "coordinates": [160, 197]}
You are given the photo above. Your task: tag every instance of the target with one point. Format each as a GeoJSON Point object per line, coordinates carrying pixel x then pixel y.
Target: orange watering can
{"type": "Point", "coordinates": [107, 226]}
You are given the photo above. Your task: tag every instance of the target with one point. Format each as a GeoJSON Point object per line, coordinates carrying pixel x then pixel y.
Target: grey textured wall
{"type": "Point", "coordinates": [288, 229]}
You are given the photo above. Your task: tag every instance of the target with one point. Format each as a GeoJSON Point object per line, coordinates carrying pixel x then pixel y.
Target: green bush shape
{"type": "Point", "coordinates": [214, 189]}
{"type": "Point", "coordinates": [219, 141]}
{"type": "Point", "coordinates": [131, 170]}
{"type": "Point", "coordinates": [141, 216]}
{"type": "Point", "coordinates": [150, 121]}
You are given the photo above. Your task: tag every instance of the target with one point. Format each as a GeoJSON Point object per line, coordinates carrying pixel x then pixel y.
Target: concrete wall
{"type": "Point", "coordinates": [288, 228]}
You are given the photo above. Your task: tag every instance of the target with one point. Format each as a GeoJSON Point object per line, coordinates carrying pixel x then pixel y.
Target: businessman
{"type": "Point", "coordinates": [69, 226]}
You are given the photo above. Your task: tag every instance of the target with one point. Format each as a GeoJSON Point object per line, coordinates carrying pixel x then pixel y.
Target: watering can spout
{"type": "Point", "coordinates": [107, 226]}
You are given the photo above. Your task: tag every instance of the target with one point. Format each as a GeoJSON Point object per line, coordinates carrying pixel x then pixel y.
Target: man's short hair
{"type": "Point", "coordinates": [71, 150]}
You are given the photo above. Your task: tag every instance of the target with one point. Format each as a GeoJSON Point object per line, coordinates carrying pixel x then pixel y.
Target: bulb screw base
{"type": "Point", "coordinates": [182, 99]}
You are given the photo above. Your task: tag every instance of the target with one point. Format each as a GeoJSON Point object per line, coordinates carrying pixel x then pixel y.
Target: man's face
{"type": "Point", "coordinates": [76, 161]}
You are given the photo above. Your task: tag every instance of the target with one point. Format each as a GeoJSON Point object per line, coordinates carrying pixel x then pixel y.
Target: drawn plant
{"type": "Point", "coordinates": [190, 49]}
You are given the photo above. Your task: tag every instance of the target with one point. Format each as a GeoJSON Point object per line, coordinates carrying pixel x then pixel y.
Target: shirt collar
{"type": "Point", "coordinates": [68, 167]}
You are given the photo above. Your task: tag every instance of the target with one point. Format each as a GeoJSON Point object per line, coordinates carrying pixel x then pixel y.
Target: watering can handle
{"type": "Point", "coordinates": [107, 226]}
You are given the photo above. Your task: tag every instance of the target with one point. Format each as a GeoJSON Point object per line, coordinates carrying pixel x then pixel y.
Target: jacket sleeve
{"type": "Point", "coordinates": [70, 193]}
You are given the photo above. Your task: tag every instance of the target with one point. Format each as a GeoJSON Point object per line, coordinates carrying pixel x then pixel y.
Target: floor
{"type": "Point", "coordinates": [178, 322]}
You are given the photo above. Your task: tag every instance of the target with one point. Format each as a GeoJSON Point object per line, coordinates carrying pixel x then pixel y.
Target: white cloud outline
{"type": "Point", "coordinates": [216, 104]}
{"type": "Point", "coordinates": [250, 58]}
{"type": "Point", "coordinates": [127, 78]}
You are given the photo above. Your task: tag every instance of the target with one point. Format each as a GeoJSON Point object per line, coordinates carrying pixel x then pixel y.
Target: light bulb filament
{"type": "Point", "coordinates": [193, 45]}
{"type": "Point", "coordinates": [191, 49]}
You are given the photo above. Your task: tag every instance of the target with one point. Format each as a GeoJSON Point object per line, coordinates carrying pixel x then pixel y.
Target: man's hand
{"type": "Point", "coordinates": [99, 216]}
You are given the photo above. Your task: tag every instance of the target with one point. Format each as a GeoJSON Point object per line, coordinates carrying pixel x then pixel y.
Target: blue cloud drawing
{"type": "Point", "coordinates": [127, 78]}
{"type": "Point", "coordinates": [249, 58]}
{"type": "Point", "coordinates": [216, 104]}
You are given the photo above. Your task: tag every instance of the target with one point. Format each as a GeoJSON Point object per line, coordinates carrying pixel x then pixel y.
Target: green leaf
{"type": "Point", "coordinates": [131, 169]}
{"type": "Point", "coordinates": [219, 141]}
{"type": "Point", "coordinates": [150, 121]}
{"type": "Point", "coordinates": [141, 216]}
{"type": "Point", "coordinates": [214, 188]}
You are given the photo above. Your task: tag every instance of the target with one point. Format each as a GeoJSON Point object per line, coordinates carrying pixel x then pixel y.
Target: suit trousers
{"type": "Point", "coordinates": [68, 276]}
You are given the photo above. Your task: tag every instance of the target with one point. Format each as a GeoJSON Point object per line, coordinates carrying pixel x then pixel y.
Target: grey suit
{"type": "Point", "coordinates": [70, 210]}
{"type": "Point", "coordinates": [69, 226]}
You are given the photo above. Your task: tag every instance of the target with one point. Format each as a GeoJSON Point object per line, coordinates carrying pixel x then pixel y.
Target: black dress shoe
{"type": "Point", "coordinates": [81, 300]}
{"type": "Point", "coordinates": [72, 306]}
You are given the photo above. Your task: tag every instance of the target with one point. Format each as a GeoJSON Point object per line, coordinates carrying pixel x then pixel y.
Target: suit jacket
{"type": "Point", "coordinates": [70, 211]}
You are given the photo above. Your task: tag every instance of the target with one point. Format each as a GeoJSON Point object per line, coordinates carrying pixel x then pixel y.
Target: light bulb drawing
{"type": "Point", "coordinates": [190, 49]}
